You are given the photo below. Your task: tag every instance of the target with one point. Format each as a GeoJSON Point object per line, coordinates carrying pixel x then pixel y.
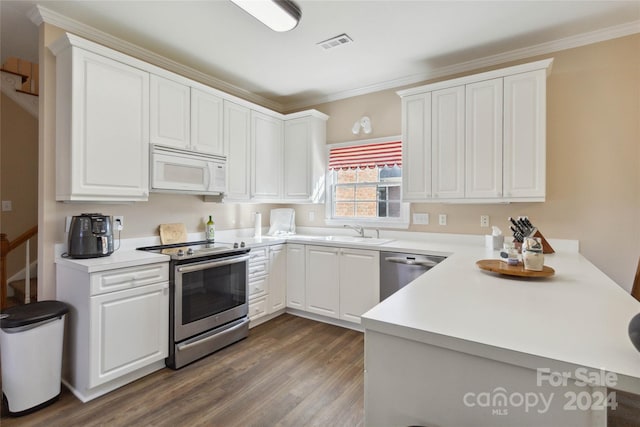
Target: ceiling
{"type": "Point", "coordinates": [394, 42]}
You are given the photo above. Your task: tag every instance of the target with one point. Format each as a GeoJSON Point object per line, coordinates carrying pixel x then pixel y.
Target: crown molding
{"type": "Point", "coordinates": [40, 14]}
{"type": "Point", "coordinates": [583, 39]}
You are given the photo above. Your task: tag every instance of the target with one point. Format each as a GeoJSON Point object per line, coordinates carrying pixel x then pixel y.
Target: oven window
{"type": "Point", "coordinates": [212, 291]}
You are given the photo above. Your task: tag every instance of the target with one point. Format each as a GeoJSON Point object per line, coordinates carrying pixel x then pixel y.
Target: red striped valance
{"type": "Point", "coordinates": [366, 156]}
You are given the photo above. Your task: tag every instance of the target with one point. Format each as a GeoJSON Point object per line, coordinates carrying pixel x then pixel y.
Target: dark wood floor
{"type": "Point", "coordinates": [290, 371]}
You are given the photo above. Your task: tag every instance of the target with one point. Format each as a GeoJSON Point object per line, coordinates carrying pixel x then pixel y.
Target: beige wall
{"type": "Point", "coordinates": [18, 178]}
{"type": "Point", "coordinates": [592, 165]}
{"type": "Point", "coordinates": [593, 156]}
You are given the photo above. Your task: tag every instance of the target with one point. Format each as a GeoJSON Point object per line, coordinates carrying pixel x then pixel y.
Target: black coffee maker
{"type": "Point", "coordinates": [90, 236]}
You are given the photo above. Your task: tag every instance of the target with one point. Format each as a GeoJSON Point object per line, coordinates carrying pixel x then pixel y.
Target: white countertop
{"type": "Point", "coordinates": [119, 259]}
{"type": "Point", "coordinates": [576, 318]}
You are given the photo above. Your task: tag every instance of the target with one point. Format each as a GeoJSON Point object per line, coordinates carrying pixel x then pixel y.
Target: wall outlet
{"type": "Point", "coordinates": [312, 216]}
{"type": "Point", "coordinates": [442, 219]}
{"type": "Point", "coordinates": [421, 218]}
{"type": "Point", "coordinates": [7, 206]}
{"type": "Point", "coordinates": [67, 224]}
{"type": "Point", "coordinates": [484, 220]}
{"type": "Point", "coordinates": [118, 222]}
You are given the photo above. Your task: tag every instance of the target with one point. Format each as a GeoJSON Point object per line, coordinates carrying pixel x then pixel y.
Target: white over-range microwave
{"type": "Point", "coordinates": [183, 171]}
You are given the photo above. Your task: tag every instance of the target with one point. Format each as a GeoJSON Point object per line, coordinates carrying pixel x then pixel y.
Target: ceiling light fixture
{"type": "Point", "coordinates": [364, 123]}
{"type": "Point", "coordinates": [279, 15]}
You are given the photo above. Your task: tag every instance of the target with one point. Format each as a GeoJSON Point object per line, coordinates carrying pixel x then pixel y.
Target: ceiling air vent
{"type": "Point", "coordinates": [336, 41]}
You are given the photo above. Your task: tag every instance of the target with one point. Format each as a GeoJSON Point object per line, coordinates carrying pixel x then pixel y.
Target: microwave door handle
{"type": "Point", "coordinates": [209, 177]}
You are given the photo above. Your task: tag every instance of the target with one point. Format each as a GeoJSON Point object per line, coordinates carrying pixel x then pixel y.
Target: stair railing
{"type": "Point", "coordinates": [6, 247]}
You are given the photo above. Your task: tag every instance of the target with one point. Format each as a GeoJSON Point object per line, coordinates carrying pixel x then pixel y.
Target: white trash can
{"type": "Point", "coordinates": [31, 338]}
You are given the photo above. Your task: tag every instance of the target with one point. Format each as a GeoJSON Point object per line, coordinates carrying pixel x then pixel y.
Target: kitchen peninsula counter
{"type": "Point", "coordinates": [459, 329]}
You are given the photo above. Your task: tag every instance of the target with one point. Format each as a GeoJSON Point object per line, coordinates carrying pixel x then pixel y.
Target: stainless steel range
{"type": "Point", "coordinates": [208, 301]}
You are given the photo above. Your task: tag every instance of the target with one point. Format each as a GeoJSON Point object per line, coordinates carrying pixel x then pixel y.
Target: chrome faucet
{"type": "Point", "coordinates": [358, 228]}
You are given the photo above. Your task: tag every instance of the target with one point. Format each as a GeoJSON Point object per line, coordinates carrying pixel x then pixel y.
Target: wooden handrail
{"type": "Point", "coordinates": [7, 246]}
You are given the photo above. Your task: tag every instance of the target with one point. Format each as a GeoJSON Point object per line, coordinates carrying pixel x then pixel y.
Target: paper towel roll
{"type": "Point", "coordinates": [258, 226]}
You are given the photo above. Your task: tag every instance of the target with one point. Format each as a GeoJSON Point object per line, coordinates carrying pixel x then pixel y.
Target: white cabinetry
{"type": "Point", "coordinates": [416, 147]}
{"type": "Point", "coordinates": [479, 138]}
{"type": "Point", "coordinates": [296, 276]}
{"type": "Point", "coordinates": [524, 135]}
{"type": "Point", "coordinates": [237, 141]}
{"type": "Point", "coordinates": [258, 282]}
{"type": "Point", "coordinates": [304, 158]}
{"type": "Point", "coordinates": [341, 283]}
{"type": "Point", "coordinates": [266, 156]}
{"type": "Point", "coordinates": [359, 282]}
{"type": "Point", "coordinates": [118, 327]}
{"type": "Point", "coordinates": [323, 281]}
{"type": "Point", "coordinates": [484, 139]}
{"type": "Point", "coordinates": [102, 127]}
{"type": "Point", "coordinates": [170, 113]}
{"type": "Point", "coordinates": [276, 300]}
{"type": "Point", "coordinates": [447, 143]}
{"type": "Point", "coordinates": [186, 117]}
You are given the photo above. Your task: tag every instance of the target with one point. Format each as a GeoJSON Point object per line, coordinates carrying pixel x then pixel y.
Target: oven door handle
{"type": "Point", "coordinates": [211, 264]}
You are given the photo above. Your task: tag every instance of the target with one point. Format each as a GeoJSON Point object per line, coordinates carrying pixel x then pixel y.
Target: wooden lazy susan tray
{"type": "Point", "coordinates": [501, 267]}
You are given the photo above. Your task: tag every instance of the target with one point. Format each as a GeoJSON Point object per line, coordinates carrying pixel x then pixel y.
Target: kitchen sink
{"type": "Point", "coordinates": [356, 239]}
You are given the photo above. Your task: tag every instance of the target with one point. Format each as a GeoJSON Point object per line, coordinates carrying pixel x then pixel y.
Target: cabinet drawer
{"type": "Point", "coordinates": [257, 308]}
{"type": "Point", "coordinates": [130, 277]}
{"type": "Point", "coordinates": [258, 287]}
{"type": "Point", "coordinates": [257, 269]}
{"type": "Point", "coordinates": [258, 254]}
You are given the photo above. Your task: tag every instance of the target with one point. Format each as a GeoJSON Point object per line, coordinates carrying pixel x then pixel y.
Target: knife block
{"type": "Point", "coordinates": [546, 247]}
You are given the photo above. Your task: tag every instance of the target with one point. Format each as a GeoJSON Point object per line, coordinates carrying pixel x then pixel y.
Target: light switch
{"type": "Point", "coordinates": [7, 206]}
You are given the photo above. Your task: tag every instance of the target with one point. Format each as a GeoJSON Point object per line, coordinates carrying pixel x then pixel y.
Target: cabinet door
{"type": "Point", "coordinates": [296, 276]}
{"type": "Point", "coordinates": [109, 154]}
{"type": "Point", "coordinates": [206, 123]}
{"type": "Point", "coordinates": [266, 156]}
{"type": "Point", "coordinates": [277, 278]}
{"type": "Point", "coordinates": [129, 330]}
{"type": "Point", "coordinates": [359, 282]}
{"type": "Point", "coordinates": [416, 147]}
{"type": "Point", "coordinates": [524, 135]}
{"type": "Point", "coordinates": [297, 168]}
{"type": "Point", "coordinates": [484, 139]}
{"type": "Point", "coordinates": [170, 113]}
{"type": "Point", "coordinates": [447, 143]}
{"type": "Point", "coordinates": [323, 281]}
{"type": "Point", "coordinates": [237, 131]}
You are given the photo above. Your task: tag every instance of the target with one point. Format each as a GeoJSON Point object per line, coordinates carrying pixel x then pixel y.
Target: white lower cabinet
{"type": "Point", "coordinates": [267, 280]}
{"type": "Point", "coordinates": [323, 281]}
{"type": "Point", "coordinates": [118, 327]}
{"type": "Point", "coordinates": [359, 282]}
{"type": "Point", "coordinates": [296, 276]}
{"type": "Point", "coordinates": [277, 278]}
{"type": "Point", "coordinates": [341, 283]}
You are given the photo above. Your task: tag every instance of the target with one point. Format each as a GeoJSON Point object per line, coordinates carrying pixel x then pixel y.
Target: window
{"type": "Point", "coordinates": [365, 183]}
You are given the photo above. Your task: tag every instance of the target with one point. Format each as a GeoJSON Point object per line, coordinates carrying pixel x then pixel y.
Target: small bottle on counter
{"type": "Point", "coordinates": [210, 230]}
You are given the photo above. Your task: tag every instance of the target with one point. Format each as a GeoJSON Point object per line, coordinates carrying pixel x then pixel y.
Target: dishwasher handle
{"type": "Point", "coordinates": [411, 261]}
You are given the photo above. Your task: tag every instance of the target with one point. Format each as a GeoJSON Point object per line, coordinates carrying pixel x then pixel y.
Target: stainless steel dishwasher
{"type": "Point", "coordinates": [398, 269]}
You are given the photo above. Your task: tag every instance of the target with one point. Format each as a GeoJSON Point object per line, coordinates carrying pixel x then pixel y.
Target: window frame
{"type": "Point", "coordinates": [401, 222]}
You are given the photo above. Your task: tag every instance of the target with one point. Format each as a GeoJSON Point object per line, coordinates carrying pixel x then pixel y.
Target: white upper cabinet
{"type": "Point", "coordinates": [304, 158]}
{"type": "Point", "coordinates": [186, 117]}
{"type": "Point", "coordinates": [207, 123]}
{"type": "Point", "coordinates": [447, 143]}
{"type": "Point", "coordinates": [170, 113]}
{"type": "Point", "coordinates": [102, 127]}
{"type": "Point", "coordinates": [266, 156]}
{"type": "Point", "coordinates": [484, 139]}
{"type": "Point", "coordinates": [237, 141]}
{"type": "Point", "coordinates": [416, 147]}
{"type": "Point", "coordinates": [524, 135]}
